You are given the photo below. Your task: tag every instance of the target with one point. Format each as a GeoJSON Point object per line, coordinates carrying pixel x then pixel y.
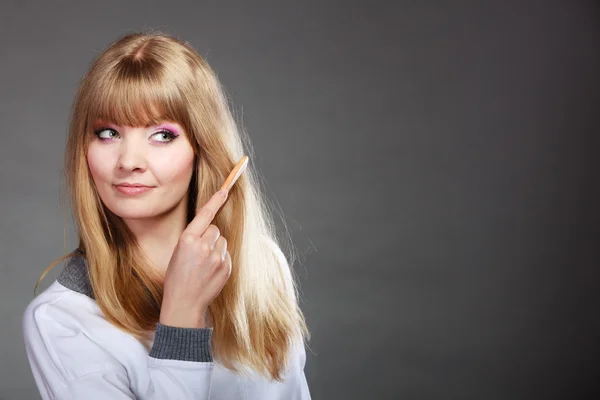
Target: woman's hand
{"type": "Point", "coordinates": [197, 271]}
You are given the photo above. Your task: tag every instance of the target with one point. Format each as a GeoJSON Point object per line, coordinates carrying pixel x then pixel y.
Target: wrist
{"type": "Point", "coordinates": [182, 319]}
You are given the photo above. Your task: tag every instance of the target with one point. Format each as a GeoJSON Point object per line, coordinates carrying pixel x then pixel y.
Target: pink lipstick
{"type": "Point", "coordinates": [132, 188]}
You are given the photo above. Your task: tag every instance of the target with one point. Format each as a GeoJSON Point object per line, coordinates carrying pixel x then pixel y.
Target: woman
{"type": "Point", "coordinates": [158, 301]}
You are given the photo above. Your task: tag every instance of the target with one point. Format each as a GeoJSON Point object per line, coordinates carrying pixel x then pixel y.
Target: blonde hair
{"type": "Point", "coordinates": [140, 80]}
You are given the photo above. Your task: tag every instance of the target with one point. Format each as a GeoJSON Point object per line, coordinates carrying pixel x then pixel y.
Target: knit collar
{"type": "Point", "coordinates": [75, 276]}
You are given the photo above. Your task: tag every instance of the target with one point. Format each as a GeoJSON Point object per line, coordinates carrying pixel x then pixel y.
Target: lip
{"type": "Point", "coordinates": [132, 188]}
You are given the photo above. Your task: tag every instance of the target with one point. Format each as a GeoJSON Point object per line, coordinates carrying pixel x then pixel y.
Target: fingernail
{"type": "Point", "coordinates": [223, 193]}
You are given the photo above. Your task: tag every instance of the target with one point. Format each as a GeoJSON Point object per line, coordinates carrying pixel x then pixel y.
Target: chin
{"type": "Point", "coordinates": [135, 211]}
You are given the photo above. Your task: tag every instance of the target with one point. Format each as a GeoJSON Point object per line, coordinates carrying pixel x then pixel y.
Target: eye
{"type": "Point", "coordinates": [164, 136]}
{"type": "Point", "coordinates": [106, 133]}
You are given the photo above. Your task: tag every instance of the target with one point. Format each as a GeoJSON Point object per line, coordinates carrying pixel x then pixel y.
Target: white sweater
{"type": "Point", "coordinates": [75, 353]}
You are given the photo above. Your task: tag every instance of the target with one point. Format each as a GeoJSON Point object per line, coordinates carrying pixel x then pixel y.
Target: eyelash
{"type": "Point", "coordinates": [170, 134]}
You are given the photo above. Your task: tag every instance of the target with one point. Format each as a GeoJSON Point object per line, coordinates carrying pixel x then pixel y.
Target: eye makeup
{"type": "Point", "coordinates": [171, 131]}
{"type": "Point", "coordinates": [98, 131]}
{"type": "Point", "coordinates": [170, 127]}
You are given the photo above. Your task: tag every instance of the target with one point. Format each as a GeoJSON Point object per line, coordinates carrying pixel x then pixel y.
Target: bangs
{"type": "Point", "coordinates": [134, 93]}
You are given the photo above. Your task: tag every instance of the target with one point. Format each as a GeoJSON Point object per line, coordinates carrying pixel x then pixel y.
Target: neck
{"type": "Point", "coordinates": [158, 236]}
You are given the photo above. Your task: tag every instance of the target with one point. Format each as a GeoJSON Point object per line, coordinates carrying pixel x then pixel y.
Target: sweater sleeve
{"type": "Point", "coordinates": [68, 364]}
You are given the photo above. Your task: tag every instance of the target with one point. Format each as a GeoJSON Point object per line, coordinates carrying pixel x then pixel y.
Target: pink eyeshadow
{"type": "Point", "coordinates": [171, 127]}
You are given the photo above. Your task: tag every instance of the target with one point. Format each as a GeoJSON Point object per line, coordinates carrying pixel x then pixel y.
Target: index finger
{"type": "Point", "coordinates": [206, 213]}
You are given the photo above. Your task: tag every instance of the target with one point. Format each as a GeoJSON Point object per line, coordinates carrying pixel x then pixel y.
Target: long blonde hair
{"type": "Point", "coordinates": [140, 80]}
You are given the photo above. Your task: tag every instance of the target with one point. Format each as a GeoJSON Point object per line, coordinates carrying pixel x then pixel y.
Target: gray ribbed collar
{"type": "Point", "coordinates": [75, 276]}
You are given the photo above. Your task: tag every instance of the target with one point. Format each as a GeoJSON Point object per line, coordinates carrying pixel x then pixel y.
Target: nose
{"type": "Point", "coordinates": [131, 156]}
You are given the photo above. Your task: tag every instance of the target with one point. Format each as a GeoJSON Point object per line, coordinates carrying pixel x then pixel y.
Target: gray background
{"type": "Point", "coordinates": [434, 163]}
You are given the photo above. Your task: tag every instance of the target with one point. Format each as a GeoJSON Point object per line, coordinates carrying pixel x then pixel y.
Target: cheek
{"type": "Point", "coordinates": [93, 160]}
{"type": "Point", "coordinates": [98, 163]}
{"type": "Point", "coordinates": [174, 169]}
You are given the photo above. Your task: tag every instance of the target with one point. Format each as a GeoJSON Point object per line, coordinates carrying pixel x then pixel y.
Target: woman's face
{"type": "Point", "coordinates": [141, 172]}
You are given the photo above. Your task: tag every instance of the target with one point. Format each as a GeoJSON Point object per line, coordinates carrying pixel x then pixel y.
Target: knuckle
{"type": "Point", "coordinates": [203, 247]}
{"type": "Point", "coordinates": [215, 229]}
{"type": "Point", "coordinates": [207, 212]}
{"type": "Point", "coordinates": [215, 259]}
{"type": "Point", "coordinates": [187, 239]}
